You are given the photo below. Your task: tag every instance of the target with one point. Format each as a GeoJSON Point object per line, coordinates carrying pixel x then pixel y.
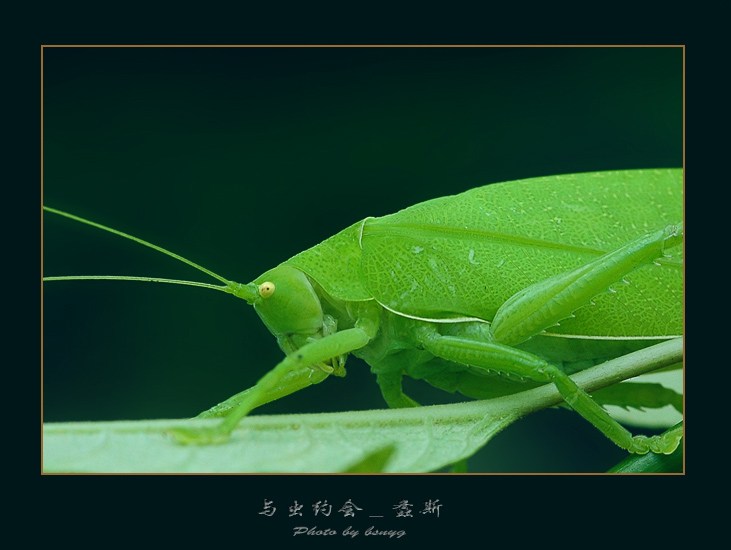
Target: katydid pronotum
{"type": "Point", "coordinates": [519, 280]}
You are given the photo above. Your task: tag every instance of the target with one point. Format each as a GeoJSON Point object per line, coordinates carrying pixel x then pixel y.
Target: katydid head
{"type": "Point", "coordinates": [291, 310]}
{"type": "Point", "coordinates": [287, 303]}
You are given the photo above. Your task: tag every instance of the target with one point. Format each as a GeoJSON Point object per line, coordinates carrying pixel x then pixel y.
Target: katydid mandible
{"type": "Point", "coordinates": [499, 280]}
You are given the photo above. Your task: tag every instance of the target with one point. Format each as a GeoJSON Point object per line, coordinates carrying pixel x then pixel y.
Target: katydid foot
{"type": "Point", "coordinates": [665, 444]}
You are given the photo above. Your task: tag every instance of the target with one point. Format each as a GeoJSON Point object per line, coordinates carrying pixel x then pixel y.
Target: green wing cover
{"type": "Point", "coordinates": [464, 255]}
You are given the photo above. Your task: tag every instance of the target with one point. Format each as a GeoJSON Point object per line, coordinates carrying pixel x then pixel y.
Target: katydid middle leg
{"type": "Point", "coordinates": [392, 391]}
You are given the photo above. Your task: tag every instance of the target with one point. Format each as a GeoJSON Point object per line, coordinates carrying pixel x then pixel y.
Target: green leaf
{"type": "Point", "coordinates": [422, 440]}
{"type": "Point", "coordinates": [653, 400]}
{"type": "Point", "coordinates": [418, 439]}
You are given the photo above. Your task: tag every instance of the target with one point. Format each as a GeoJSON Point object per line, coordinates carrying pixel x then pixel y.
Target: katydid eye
{"type": "Point", "coordinates": [266, 289]}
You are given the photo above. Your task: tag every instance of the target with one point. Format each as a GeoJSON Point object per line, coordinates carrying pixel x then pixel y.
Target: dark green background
{"type": "Point", "coordinates": [238, 158]}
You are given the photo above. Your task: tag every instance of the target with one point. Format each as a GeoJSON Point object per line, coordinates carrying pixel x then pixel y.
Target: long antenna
{"type": "Point", "coordinates": [247, 292]}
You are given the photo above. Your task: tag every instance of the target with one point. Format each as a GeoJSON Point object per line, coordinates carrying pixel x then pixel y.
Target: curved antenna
{"type": "Point", "coordinates": [247, 292]}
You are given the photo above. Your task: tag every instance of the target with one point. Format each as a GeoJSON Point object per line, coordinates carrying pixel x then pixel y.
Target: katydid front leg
{"type": "Point", "coordinates": [318, 351]}
{"type": "Point", "coordinates": [292, 382]}
{"type": "Point", "coordinates": [544, 304]}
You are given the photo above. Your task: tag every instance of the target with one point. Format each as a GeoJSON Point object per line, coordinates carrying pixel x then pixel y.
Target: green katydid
{"type": "Point", "coordinates": [521, 279]}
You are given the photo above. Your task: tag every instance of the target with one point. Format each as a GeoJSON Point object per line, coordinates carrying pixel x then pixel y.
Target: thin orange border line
{"type": "Point", "coordinates": [354, 46]}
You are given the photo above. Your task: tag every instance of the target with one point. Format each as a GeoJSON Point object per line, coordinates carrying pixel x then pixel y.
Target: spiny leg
{"type": "Point", "coordinates": [544, 304]}
{"type": "Point", "coordinates": [547, 302]}
{"type": "Point", "coordinates": [507, 360]}
{"type": "Point", "coordinates": [318, 351]}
